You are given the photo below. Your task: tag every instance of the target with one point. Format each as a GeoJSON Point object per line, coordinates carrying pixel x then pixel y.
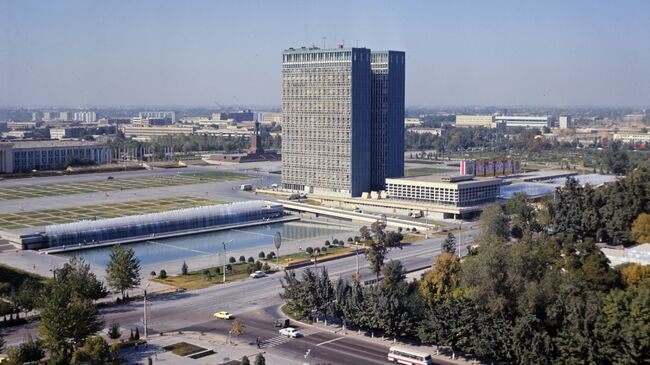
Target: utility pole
{"type": "Point", "coordinates": [356, 243]}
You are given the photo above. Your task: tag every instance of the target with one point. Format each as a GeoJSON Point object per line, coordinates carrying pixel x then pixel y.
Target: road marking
{"type": "Point", "coordinates": [330, 341]}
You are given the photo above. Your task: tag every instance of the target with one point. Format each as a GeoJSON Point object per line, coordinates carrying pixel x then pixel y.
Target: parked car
{"type": "Point", "coordinates": [110, 178]}
{"type": "Point", "coordinates": [258, 274]}
{"type": "Point", "coordinates": [290, 332]}
{"type": "Point", "coordinates": [223, 315]}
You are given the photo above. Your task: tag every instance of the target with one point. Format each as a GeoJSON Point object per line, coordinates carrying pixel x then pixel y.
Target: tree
{"type": "Point", "coordinates": [232, 260]}
{"type": "Point", "coordinates": [245, 361]}
{"type": "Point", "coordinates": [162, 274]}
{"type": "Point", "coordinates": [114, 331]}
{"type": "Point", "coordinates": [261, 255]}
{"type": "Point", "coordinates": [123, 270]}
{"type": "Point", "coordinates": [438, 283]}
{"type": "Point", "coordinates": [184, 268]}
{"type": "Point", "coordinates": [641, 228]}
{"type": "Point", "coordinates": [259, 360]}
{"type": "Point", "coordinates": [449, 245]}
{"type": "Point", "coordinates": [27, 352]}
{"type": "Point", "coordinates": [394, 275]}
{"type": "Point", "coordinates": [380, 242]}
{"type": "Point", "coordinates": [67, 317]}
{"type": "Point", "coordinates": [242, 259]}
{"type": "Point", "coordinates": [636, 275]}
{"type": "Point", "coordinates": [76, 273]}
{"type": "Point", "coordinates": [495, 223]}
{"type": "Point", "coordinates": [238, 328]}
{"type": "Point", "coordinates": [27, 295]}
{"type": "Point", "coordinates": [94, 351]}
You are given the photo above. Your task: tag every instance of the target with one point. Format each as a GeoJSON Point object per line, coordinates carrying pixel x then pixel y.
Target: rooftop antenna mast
{"type": "Point", "coordinates": [324, 39]}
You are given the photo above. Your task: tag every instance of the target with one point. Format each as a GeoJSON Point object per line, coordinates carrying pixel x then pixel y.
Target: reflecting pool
{"type": "Point", "coordinates": [183, 247]}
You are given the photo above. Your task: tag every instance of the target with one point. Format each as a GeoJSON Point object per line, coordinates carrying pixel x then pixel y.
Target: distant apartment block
{"type": "Point", "coordinates": [245, 115]}
{"type": "Point", "coordinates": [486, 121]}
{"type": "Point", "coordinates": [85, 117]}
{"type": "Point", "coordinates": [65, 116]}
{"type": "Point", "coordinates": [25, 156]}
{"type": "Point", "coordinates": [565, 121]}
{"type": "Point", "coordinates": [343, 119]}
{"type": "Point", "coordinates": [160, 115]}
{"type": "Point", "coordinates": [524, 121]}
{"type": "Point", "coordinates": [632, 137]}
{"type": "Point", "coordinates": [48, 116]}
{"type": "Point", "coordinates": [424, 130]}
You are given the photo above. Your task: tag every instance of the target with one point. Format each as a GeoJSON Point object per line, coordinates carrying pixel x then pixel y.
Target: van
{"type": "Point", "coordinates": [246, 187]}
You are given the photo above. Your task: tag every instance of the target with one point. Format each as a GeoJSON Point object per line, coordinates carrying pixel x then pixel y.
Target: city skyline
{"type": "Point", "coordinates": [70, 53]}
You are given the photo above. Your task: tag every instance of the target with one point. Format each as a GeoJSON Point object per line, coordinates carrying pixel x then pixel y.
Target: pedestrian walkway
{"type": "Point", "coordinates": [217, 349]}
{"type": "Point", "coordinates": [280, 339]}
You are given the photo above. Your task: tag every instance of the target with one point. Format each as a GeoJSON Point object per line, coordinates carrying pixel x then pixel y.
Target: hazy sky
{"type": "Point", "coordinates": [555, 53]}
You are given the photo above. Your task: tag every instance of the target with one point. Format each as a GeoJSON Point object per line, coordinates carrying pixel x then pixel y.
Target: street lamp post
{"type": "Point", "coordinates": [144, 320]}
{"type": "Point", "coordinates": [224, 259]}
{"type": "Point", "coordinates": [460, 237]}
{"type": "Point", "coordinates": [356, 243]}
{"type": "Point", "coordinates": [277, 241]}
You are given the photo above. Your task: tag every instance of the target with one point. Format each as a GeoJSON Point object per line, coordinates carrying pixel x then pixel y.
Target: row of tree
{"type": "Point", "coordinates": [604, 214]}
{"type": "Point", "coordinates": [540, 299]}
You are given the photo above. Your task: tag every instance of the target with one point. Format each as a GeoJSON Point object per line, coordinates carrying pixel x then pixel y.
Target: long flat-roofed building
{"type": "Point", "coordinates": [486, 121]}
{"type": "Point", "coordinates": [24, 156]}
{"type": "Point", "coordinates": [456, 191]}
{"type": "Point", "coordinates": [524, 121]}
{"type": "Point", "coordinates": [146, 132]}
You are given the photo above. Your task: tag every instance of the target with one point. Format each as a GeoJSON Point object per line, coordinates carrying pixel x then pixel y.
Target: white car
{"type": "Point", "coordinates": [258, 274]}
{"type": "Point", "coordinates": [290, 332]}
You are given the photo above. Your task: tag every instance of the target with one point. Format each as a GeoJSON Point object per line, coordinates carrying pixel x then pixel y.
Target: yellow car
{"type": "Point", "coordinates": [223, 315]}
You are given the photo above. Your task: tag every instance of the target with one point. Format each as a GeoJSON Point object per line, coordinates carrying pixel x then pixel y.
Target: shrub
{"type": "Point", "coordinates": [228, 267]}
{"type": "Point", "coordinates": [137, 334]}
{"type": "Point", "coordinates": [153, 273]}
{"type": "Point", "coordinates": [399, 229]}
{"type": "Point", "coordinates": [260, 360]}
{"type": "Point", "coordinates": [162, 274]}
{"type": "Point", "coordinates": [245, 361]}
{"type": "Point", "coordinates": [266, 267]}
{"type": "Point", "coordinates": [232, 260]}
{"type": "Point", "coordinates": [218, 270]}
{"type": "Point", "coordinates": [29, 351]}
{"type": "Point", "coordinates": [207, 273]}
{"type": "Point", "coordinates": [350, 240]}
{"type": "Point", "coordinates": [323, 249]}
{"type": "Point", "coordinates": [270, 255]}
{"type": "Point", "coordinates": [114, 331]}
{"type": "Point", "coordinates": [251, 260]}
{"type": "Point", "coordinates": [335, 242]}
{"type": "Point", "coordinates": [250, 268]}
{"type": "Point", "coordinates": [262, 255]}
{"type": "Point", "coordinates": [184, 268]}
{"type": "Point", "coordinates": [242, 259]}
{"type": "Point", "coordinates": [327, 243]}
{"type": "Point", "coordinates": [408, 229]}
{"type": "Point", "coordinates": [115, 347]}
{"type": "Point", "coordinates": [309, 250]}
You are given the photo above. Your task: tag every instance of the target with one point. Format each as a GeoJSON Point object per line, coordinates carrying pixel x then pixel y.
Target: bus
{"type": "Point", "coordinates": [403, 355]}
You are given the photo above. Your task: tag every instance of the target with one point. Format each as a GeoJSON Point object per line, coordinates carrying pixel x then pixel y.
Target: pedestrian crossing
{"type": "Point", "coordinates": [279, 340]}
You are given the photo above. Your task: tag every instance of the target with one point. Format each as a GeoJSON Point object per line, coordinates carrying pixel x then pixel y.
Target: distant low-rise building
{"type": "Point", "coordinates": [424, 130]}
{"type": "Point", "coordinates": [240, 116]}
{"type": "Point", "coordinates": [24, 156]}
{"type": "Point", "coordinates": [412, 122]}
{"type": "Point", "coordinates": [85, 117]}
{"type": "Point", "coordinates": [146, 132]}
{"type": "Point", "coordinates": [456, 191]}
{"type": "Point", "coordinates": [63, 133]}
{"type": "Point", "coordinates": [160, 115]}
{"type": "Point", "coordinates": [269, 118]}
{"type": "Point", "coordinates": [632, 137]}
{"type": "Point", "coordinates": [486, 121]}
{"type": "Point", "coordinates": [524, 121]}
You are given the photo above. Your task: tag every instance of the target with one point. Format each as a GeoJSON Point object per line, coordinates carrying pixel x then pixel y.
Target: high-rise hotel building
{"type": "Point", "coordinates": [343, 119]}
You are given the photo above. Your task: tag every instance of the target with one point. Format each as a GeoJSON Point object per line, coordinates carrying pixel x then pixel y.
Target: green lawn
{"type": "Point", "coordinates": [420, 171]}
{"type": "Point", "coordinates": [184, 348]}
{"type": "Point", "coordinates": [46, 217]}
{"type": "Point", "coordinates": [117, 184]}
{"type": "Point", "coordinates": [198, 279]}
{"type": "Point", "coordinates": [303, 255]}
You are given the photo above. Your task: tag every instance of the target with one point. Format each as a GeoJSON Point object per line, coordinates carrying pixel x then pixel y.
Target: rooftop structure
{"type": "Point", "coordinates": [486, 121]}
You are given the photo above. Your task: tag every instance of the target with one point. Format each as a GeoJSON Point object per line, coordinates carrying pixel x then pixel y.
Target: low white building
{"type": "Point", "coordinates": [632, 137]}
{"type": "Point", "coordinates": [524, 121]}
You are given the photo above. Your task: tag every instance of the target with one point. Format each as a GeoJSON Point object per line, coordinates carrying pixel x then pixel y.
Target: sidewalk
{"type": "Point", "coordinates": [223, 351]}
